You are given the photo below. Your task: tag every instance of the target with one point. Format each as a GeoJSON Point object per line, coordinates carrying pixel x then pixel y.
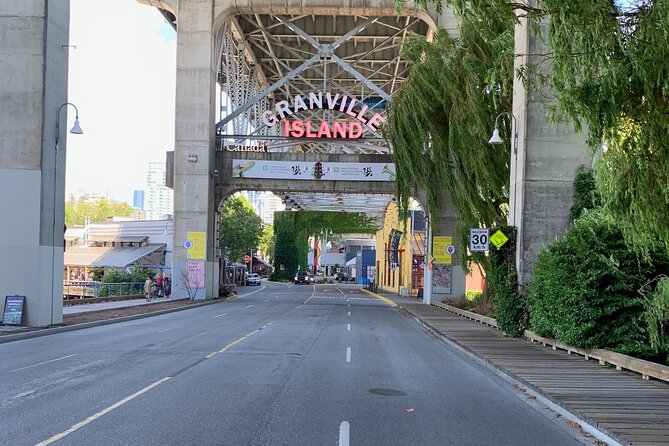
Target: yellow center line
{"type": "Point", "coordinates": [231, 344]}
{"type": "Point", "coordinates": [252, 333]}
{"type": "Point", "coordinates": [212, 354]}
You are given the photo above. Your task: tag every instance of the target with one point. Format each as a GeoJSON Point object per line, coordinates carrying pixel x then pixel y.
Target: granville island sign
{"type": "Point", "coordinates": [339, 129]}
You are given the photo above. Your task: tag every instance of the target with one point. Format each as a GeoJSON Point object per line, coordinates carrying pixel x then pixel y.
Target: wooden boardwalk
{"type": "Point", "coordinates": [620, 403]}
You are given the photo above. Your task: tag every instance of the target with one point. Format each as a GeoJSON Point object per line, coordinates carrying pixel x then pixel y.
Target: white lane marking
{"type": "Point", "coordinates": [349, 313]}
{"type": "Point", "coordinates": [349, 305]}
{"type": "Point", "coordinates": [267, 300]}
{"type": "Point", "coordinates": [219, 315]}
{"type": "Point", "coordinates": [250, 306]}
{"type": "Point", "coordinates": [101, 413]}
{"type": "Point", "coordinates": [344, 433]}
{"type": "Point", "coordinates": [348, 354]}
{"type": "Point", "coordinates": [168, 329]}
{"type": "Point", "coordinates": [41, 363]}
{"type": "Point", "coordinates": [348, 327]}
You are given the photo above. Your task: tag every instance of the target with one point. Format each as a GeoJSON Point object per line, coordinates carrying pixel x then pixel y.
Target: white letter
{"type": "Point", "coordinates": [269, 119]}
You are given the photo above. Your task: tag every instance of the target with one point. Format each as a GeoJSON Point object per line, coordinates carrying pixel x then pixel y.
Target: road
{"type": "Point", "coordinates": [281, 365]}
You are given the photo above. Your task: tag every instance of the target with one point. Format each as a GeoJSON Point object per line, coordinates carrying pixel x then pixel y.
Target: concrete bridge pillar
{"type": "Point", "coordinates": [33, 53]}
{"type": "Point", "coordinates": [543, 172]}
{"type": "Point", "coordinates": [194, 209]}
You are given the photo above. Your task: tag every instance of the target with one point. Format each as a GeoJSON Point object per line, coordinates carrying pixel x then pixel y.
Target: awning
{"type": "Point", "coordinates": [352, 262]}
{"type": "Point", "coordinates": [118, 257]}
{"type": "Point", "coordinates": [120, 238]}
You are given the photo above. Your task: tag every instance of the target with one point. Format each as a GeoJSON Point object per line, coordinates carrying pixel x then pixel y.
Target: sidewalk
{"type": "Point", "coordinates": [619, 403]}
{"type": "Point", "coordinates": [84, 308]}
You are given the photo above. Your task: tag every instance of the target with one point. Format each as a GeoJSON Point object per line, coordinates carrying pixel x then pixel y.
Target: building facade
{"type": "Point", "coordinates": [159, 198]}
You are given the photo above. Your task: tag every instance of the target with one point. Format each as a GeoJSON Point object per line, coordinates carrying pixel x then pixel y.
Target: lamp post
{"type": "Point", "coordinates": [495, 139]}
{"type": "Point", "coordinates": [76, 130]}
{"type": "Point", "coordinates": [325, 233]}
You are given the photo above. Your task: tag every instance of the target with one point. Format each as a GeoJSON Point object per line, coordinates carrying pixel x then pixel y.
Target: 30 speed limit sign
{"type": "Point", "coordinates": [478, 239]}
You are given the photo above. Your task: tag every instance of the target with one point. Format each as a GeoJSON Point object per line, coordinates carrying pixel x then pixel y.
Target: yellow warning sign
{"type": "Point", "coordinates": [439, 245]}
{"type": "Point", "coordinates": [498, 239]}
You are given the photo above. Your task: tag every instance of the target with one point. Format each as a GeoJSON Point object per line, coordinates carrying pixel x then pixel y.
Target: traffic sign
{"type": "Point", "coordinates": [499, 239]}
{"type": "Point", "coordinates": [450, 249]}
{"type": "Point", "coordinates": [188, 244]}
{"type": "Point", "coordinates": [478, 239]}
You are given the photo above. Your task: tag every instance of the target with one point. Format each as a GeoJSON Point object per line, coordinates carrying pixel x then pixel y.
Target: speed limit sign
{"type": "Point", "coordinates": [478, 239]}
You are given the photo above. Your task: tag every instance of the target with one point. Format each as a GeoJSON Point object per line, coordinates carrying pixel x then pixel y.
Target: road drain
{"type": "Point", "coordinates": [387, 392]}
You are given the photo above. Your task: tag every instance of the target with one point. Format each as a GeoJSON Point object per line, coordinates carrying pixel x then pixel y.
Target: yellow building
{"type": "Point", "coordinates": [400, 252]}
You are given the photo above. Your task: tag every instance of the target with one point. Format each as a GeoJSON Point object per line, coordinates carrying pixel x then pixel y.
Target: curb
{"type": "Point", "coordinates": [64, 329]}
{"type": "Point", "coordinates": [384, 299]}
{"type": "Point", "coordinates": [588, 426]}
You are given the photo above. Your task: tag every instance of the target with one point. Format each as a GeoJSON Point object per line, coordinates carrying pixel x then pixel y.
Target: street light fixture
{"type": "Point", "coordinates": [76, 130]}
{"type": "Point", "coordinates": [325, 233]}
{"type": "Point", "coordinates": [495, 139]}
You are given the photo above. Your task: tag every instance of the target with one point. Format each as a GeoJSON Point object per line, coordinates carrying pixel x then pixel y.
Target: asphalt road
{"type": "Point", "coordinates": [283, 365]}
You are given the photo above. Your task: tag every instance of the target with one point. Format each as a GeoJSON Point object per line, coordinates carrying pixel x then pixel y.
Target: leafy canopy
{"type": "Point", "coordinates": [439, 123]}
{"type": "Point", "coordinates": [240, 229]}
{"type": "Point", "coordinates": [79, 212]}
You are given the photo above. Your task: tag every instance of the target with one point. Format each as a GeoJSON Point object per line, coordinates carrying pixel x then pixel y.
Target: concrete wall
{"type": "Point", "coordinates": [543, 172]}
{"type": "Point", "coordinates": [34, 84]}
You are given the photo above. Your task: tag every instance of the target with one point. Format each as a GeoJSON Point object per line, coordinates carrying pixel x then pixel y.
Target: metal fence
{"type": "Point", "coordinates": [94, 290]}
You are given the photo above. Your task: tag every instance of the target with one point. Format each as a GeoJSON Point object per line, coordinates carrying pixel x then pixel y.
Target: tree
{"type": "Point", "coordinates": [241, 228]}
{"type": "Point", "coordinates": [267, 242]}
{"type": "Point", "coordinates": [608, 74]}
{"type": "Point", "coordinates": [81, 211]}
{"type": "Point", "coordinates": [439, 122]}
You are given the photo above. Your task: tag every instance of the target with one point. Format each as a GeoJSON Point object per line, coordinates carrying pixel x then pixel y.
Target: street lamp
{"type": "Point", "coordinates": [495, 140]}
{"type": "Point", "coordinates": [76, 130]}
{"type": "Point", "coordinates": [325, 233]}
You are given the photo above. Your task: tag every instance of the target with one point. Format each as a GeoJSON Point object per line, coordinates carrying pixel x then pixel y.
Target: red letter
{"type": "Point", "coordinates": [298, 129]}
{"type": "Point", "coordinates": [286, 128]}
{"type": "Point", "coordinates": [339, 128]}
{"type": "Point", "coordinates": [324, 130]}
{"type": "Point", "coordinates": [354, 129]}
{"type": "Point", "coordinates": [310, 134]}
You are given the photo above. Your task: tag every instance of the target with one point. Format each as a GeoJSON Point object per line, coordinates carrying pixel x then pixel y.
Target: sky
{"type": "Point", "coordinates": [122, 79]}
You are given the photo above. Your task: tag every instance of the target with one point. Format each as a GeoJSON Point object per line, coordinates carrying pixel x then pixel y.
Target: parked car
{"type": "Point", "coordinates": [253, 279]}
{"type": "Point", "coordinates": [312, 278]}
{"type": "Point", "coordinates": [340, 277]}
{"type": "Point", "coordinates": [301, 277]}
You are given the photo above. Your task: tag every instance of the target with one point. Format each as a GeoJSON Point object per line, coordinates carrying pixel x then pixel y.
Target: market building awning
{"type": "Point", "coordinates": [151, 255]}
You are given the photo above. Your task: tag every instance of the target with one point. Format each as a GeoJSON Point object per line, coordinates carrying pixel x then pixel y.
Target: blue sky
{"type": "Point", "coordinates": [122, 79]}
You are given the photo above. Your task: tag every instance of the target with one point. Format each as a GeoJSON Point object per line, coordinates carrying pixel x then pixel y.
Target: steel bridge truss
{"type": "Point", "coordinates": [265, 59]}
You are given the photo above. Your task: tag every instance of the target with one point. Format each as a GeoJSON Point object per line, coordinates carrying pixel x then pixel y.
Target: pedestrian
{"type": "Point", "coordinates": [148, 289]}
{"type": "Point", "coordinates": [159, 284]}
{"type": "Point", "coordinates": [167, 287]}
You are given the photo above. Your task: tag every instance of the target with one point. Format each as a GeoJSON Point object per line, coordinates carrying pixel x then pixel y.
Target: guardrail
{"type": "Point", "coordinates": [87, 292]}
{"type": "Point", "coordinates": [645, 368]}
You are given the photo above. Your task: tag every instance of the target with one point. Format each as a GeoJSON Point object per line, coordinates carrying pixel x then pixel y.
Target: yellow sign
{"type": "Point", "coordinates": [199, 249]}
{"type": "Point", "coordinates": [439, 245]}
{"type": "Point", "coordinates": [498, 239]}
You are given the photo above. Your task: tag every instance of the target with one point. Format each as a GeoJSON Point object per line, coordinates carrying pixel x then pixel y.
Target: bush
{"type": "Point", "coordinates": [584, 290]}
{"type": "Point", "coordinates": [502, 281]}
{"type": "Point", "coordinates": [471, 295]}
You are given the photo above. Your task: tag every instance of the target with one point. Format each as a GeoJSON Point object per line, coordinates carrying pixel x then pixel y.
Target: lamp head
{"type": "Point", "coordinates": [76, 129]}
{"type": "Point", "coordinates": [495, 139]}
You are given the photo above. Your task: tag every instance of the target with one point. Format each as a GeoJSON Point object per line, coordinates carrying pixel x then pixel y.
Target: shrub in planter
{"type": "Point", "coordinates": [585, 288]}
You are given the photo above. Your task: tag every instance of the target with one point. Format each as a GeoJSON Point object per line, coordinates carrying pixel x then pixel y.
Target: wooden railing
{"type": "Point", "coordinates": [645, 368]}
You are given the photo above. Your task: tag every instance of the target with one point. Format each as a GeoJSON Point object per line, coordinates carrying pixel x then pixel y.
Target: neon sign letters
{"type": "Point", "coordinates": [324, 129]}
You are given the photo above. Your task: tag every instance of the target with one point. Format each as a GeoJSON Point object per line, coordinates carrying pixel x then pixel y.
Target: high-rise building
{"type": "Point", "coordinates": [265, 204]}
{"type": "Point", "coordinates": [138, 199]}
{"type": "Point", "coordinates": [159, 202]}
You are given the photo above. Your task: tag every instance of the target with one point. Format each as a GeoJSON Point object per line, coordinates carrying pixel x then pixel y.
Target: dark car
{"type": "Point", "coordinates": [341, 277]}
{"type": "Point", "coordinates": [301, 277]}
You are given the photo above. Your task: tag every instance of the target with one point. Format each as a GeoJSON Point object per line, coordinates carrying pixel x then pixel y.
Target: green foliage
{"type": "Point", "coordinates": [585, 286]}
{"type": "Point", "coordinates": [585, 193]}
{"type": "Point", "coordinates": [609, 73]}
{"type": "Point", "coordinates": [240, 228]}
{"type": "Point", "coordinates": [267, 242]}
{"type": "Point", "coordinates": [133, 282]}
{"type": "Point", "coordinates": [502, 281]}
{"type": "Point", "coordinates": [292, 238]}
{"type": "Point", "coordinates": [285, 250]}
{"type": "Point", "coordinates": [82, 211]}
{"type": "Point", "coordinates": [656, 315]}
{"type": "Point", "coordinates": [471, 295]}
{"type": "Point", "coordinates": [439, 122]}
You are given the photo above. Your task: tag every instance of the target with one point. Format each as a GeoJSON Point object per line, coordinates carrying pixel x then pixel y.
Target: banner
{"type": "Point", "coordinates": [195, 273]}
{"type": "Point", "coordinates": [441, 279]}
{"type": "Point", "coordinates": [198, 249]}
{"type": "Point", "coordinates": [303, 170]}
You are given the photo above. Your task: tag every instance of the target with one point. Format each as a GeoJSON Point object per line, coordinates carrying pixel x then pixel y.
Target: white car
{"type": "Point", "coordinates": [253, 279]}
